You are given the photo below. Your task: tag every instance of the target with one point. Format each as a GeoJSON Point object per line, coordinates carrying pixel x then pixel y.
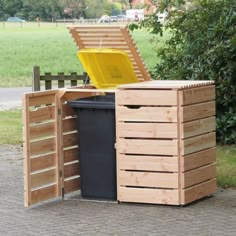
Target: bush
{"type": "Point", "coordinates": [203, 47]}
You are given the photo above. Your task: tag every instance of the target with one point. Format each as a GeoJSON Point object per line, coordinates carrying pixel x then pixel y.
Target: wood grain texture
{"type": "Point", "coordinates": [147, 114]}
{"type": "Point", "coordinates": [147, 163]}
{"type": "Point", "coordinates": [147, 195]}
{"type": "Point", "coordinates": [147, 97]}
{"type": "Point", "coordinates": [147, 130]}
{"type": "Point", "coordinates": [198, 175]}
{"type": "Point", "coordinates": [198, 191]}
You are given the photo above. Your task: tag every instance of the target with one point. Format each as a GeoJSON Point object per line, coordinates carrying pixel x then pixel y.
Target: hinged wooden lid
{"type": "Point", "coordinates": [167, 84]}
{"type": "Point", "coordinates": [113, 37]}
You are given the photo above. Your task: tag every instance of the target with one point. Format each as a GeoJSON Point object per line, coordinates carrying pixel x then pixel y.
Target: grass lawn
{"type": "Point", "coordinates": [51, 47]}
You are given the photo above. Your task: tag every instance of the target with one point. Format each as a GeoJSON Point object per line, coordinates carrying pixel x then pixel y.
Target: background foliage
{"type": "Point", "coordinates": [56, 9]}
{"type": "Point", "coordinates": [202, 46]}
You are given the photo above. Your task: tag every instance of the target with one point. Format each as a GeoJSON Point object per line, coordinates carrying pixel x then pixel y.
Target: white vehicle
{"type": "Point", "coordinates": [104, 19]}
{"type": "Point", "coordinates": [135, 14]}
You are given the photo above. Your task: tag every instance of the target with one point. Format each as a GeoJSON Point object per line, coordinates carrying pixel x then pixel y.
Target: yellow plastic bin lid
{"type": "Point", "coordinates": [107, 68]}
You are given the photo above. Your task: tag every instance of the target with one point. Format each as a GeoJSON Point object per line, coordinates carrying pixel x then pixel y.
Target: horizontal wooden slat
{"type": "Point", "coordinates": [43, 194]}
{"type": "Point", "coordinates": [42, 114]}
{"type": "Point", "coordinates": [197, 127]}
{"type": "Point", "coordinates": [71, 155]}
{"type": "Point", "coordinates": [148, 179]}
{"type": "Point", "coordinates": [70, 139]}
{"type": "Point", "coordinates": [143, 146]}
{"type": "Point", "coordinates": [147, 130]}
{"type": "Point", "coordinates": [198, 143]}
{"type": "Point", "coordinates": [147, 97]}
{"type": "Point", "coordinates": [198, 191]}
{"type": "Point", "coordinates": [198, 175]}
{"type": "Point", "coordinates": [148, 114]}
{"type": "Point", "coordinates": [145, 195]}
{"type": "Point", "coordinates": [43, 162]}
{"type": "Point", "coordinates": [198, 159]}
{"type": "Point", "coordinates": [42, 99]}
{"type": "Point", "coordinates": [71, 185]}
{"type": "Point", "coordinates": [42, 130]}
{"type": "Point", "coordinates": [197, 95]}
{"type": "Point", "coordinates": [198, 111]}
{"type": "Point", "coordinates": [70, 124]}
{"type": "Point", "coordinates": [147, 163]}
{"type": "Point", "coordinates": [71, 170]}
{"type": "Point", "coordinates": [43, 178]}
{"type": "Point", "coordinates": [43, 146]}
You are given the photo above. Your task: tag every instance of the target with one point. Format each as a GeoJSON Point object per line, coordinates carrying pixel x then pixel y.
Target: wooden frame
{"type": "Point", "coordinates": [165, 142]}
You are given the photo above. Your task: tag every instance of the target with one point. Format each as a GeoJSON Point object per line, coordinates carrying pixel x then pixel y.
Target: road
{"type": "Point", "coordinates": [11, 98]}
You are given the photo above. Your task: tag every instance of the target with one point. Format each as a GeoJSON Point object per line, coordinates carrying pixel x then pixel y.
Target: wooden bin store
{"type": "Point", "coordinates": [165, 142]}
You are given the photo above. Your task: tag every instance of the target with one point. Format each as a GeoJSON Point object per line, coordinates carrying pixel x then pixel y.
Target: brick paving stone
{"type": "Point", "coordinates": [74, 216]}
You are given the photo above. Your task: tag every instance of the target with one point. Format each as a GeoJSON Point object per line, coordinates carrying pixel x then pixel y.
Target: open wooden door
{"type": "Point", "coordinates": [51, 163]}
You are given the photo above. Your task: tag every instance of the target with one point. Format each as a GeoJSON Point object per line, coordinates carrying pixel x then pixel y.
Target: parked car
{"type": "Point", "coordinates": [113, 18]}
{"type": "Point", "coordinates": [15, 19]}
{"type": "Point", "coordinates": [104, 19]}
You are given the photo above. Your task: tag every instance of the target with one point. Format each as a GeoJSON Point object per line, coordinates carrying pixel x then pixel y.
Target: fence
{"type": "Point", "coordinates": [60, 80]}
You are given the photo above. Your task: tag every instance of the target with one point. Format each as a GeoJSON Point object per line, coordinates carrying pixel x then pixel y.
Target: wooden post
{"type": "Point", "coordinates": [36, 78]}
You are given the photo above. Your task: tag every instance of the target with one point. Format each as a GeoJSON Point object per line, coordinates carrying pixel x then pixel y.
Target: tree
{"type": "Point", "coordinates": [202, 46]}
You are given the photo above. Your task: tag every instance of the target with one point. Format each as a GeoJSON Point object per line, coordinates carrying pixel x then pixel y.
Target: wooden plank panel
{"type": "Point", "coordinates": [147, 163]}
{"type": "Point", "coordinates": [198, 111]}
{"type": "Point", "coordinates": [70, 124]}
{"type": "Point", "coordinates": [43, 162]}
{"type": "Point", "coordinates": [42, 130]}
{"type": "Point", "coordinates": [70, 140]}
{"type": "Point", "coordinates": [147, 97]}
{"type": "Point", "coordinates": [198, 191]}
{"type": "Point", "coordinates": [198, 159]}
{"type": "Point", "coordinates": [68, 111]}
{"type": "Point", "coordinates": [197, 127]}
{"type": "Point", "coordinates": [148, 179]}
{"type": "Point", "coordinates": [198, 175]}
{"type": "Point", "coordinates": [43, 178]}
{"type": "Point", "coordinates": [42, 114]}
{"type": "Point", "coordinates": [71, 169]}
{"type": "Point", "coordinates": [147, 130]}
{"type": "Point", "coordinates": [71, 185]}
{"type": "Point", "coordinates": [198, 143]}
{"type": "Point", "coordinates": [42, 99]}
{"type": "Point", "coordinates": [148, 114]}
{"type": "Point", "coordinates": [198, 95]}
{"type": "Point", "coordinates": [151, 147]}
{"type": "Point", "coordinates": [43, 146]}
{"type": "Point", "coordinates": [147, 195]}
{"type": "Point", "coordinates": [43, 194]}
{"type": "Point", "coordinates": [71, 155]}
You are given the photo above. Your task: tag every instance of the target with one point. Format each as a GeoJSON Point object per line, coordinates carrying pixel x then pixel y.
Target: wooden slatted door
{"type": "Point", "coordinates": [51, 165]}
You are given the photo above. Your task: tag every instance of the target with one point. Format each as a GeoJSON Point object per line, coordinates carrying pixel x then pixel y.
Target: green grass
{"type": "Point", "coordinates": [52, 48]}
{"type": "Point", "coordinates": [10, 127]}
{"type": "Point", "coordinates": [226, 166]}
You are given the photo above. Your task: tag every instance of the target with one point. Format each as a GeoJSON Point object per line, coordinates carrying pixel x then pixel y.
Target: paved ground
{"type": "Point", "coordinates": [11, 98]}
{"type": "Point", "coordinates": [211, 216]}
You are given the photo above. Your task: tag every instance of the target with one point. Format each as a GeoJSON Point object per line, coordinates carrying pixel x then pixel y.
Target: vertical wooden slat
{"type": "Point", "coordinates": [61, 83]}
{"type": "Point", "coordinates": [36, 78]}
{"type": "Point", "coordinates": [59, 150]}
{"type": "Point", "coordinates": [26, 151]}
{"type": "Point", "coordinates": [48, 83]}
